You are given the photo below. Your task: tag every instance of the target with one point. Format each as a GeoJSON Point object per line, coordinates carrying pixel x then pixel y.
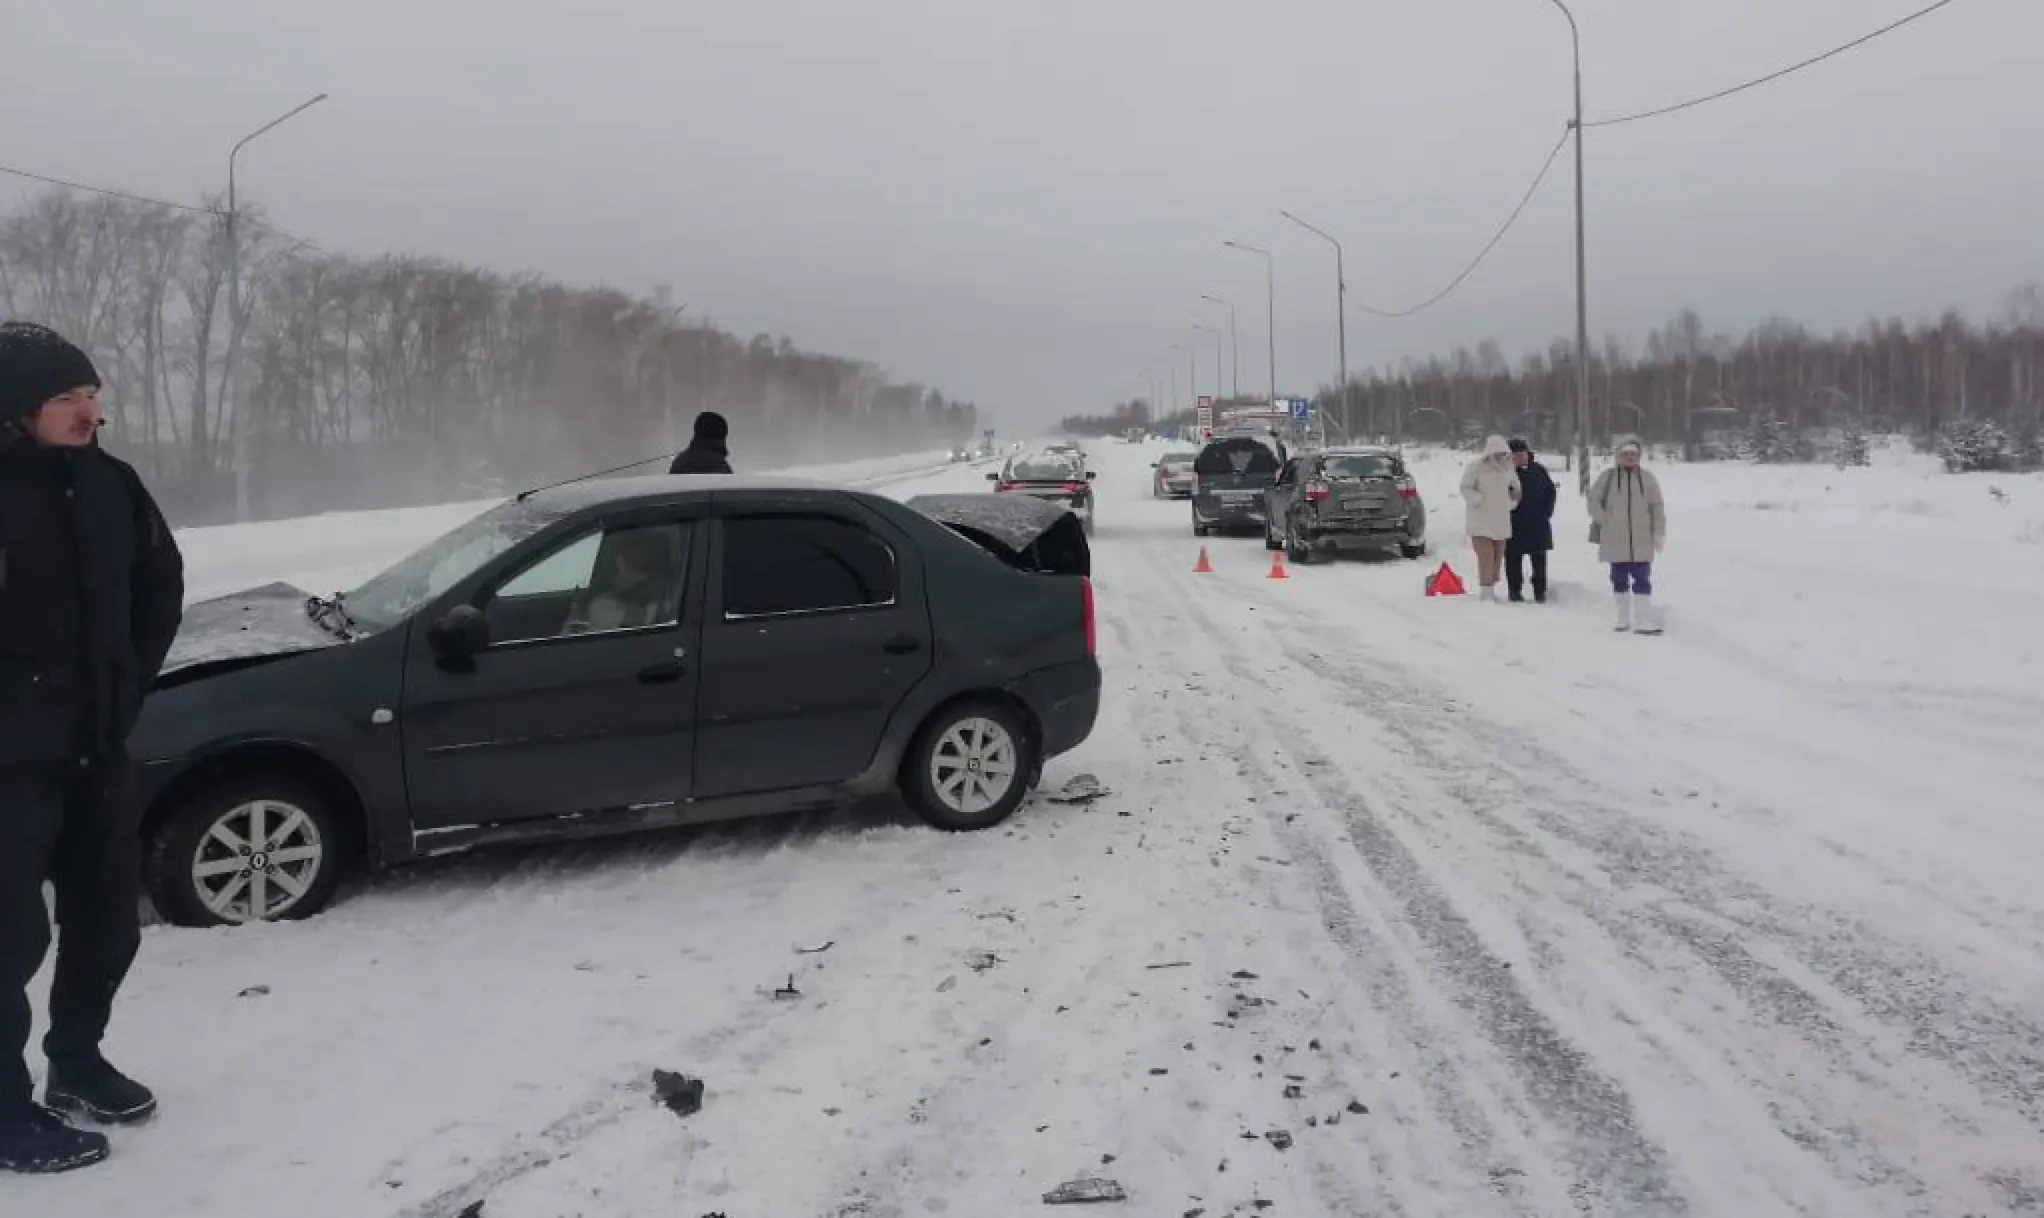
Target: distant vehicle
{"type": "Point", "coordinates": [1229, 477]}
{"type": "Point", "coordinates": [608, 657]}
{"type": "Point", "coordinates": [1053, 476]}
{"type": "Point", "coordinates": [1349, 498]}
{"type": "Point", "coordinates": [960, 454]}
{"type": "Point", "coordinates": [1173, 478]}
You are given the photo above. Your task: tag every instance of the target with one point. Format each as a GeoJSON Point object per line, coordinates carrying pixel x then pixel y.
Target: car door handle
{"type": "Point", "coordinates": [901, 644]}
{"type": "Point", "coordinates": [660, 674]}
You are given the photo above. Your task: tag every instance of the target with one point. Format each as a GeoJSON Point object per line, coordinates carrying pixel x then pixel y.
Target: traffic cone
{"type": "Point", "coordinates": [1277, 565]}
{"type": "Point", "coordinates": [1202, 567]}
{"type": "Point", "coordinates": [1445, 583]}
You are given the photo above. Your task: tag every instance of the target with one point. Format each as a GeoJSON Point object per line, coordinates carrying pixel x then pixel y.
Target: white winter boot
{"type": "Point", "coordinates": [1646, 618]}
{"type": "Point", "coordinates": [1489, 593]}
{"type": "Point", "coordinates": [1624, 602]}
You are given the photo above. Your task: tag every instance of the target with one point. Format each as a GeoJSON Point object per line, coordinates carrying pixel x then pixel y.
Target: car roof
{"type": "Point", "coordinates": [667, 488]}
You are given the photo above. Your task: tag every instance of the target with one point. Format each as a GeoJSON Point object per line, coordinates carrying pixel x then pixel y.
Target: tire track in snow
{"type": "Point", "coordinates": [1993, 1048]}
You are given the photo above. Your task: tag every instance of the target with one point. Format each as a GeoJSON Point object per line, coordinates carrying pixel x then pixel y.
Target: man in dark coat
{"type": "Point", "coordinates": [706, 453]}
{"type": "Point", "coordinates": [1532, 525]}
{"type": "Point", "coordinates": [91, 594]}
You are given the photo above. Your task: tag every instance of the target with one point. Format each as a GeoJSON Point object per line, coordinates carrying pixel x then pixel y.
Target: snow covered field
{"type": "Point", "coordinates": [1486, 909]}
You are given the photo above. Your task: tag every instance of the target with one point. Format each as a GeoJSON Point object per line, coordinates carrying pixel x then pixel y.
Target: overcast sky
{"type": "Point", "coordinates": [1021, 202]}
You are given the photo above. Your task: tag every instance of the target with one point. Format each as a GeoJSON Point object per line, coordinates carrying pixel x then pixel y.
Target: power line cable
{"type": "Point", "coordinates": [101, 190]}
{"type": "Point", "coordinates": [1834, 52]}
{"type": "Point", "coordinates": [1488, 246]}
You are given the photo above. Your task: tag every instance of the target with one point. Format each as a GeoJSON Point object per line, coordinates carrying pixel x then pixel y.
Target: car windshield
{"type": "Point", "coordinates": [396, 594]}
{"type": "Point", "coordinates": [1359, 465]}
{"type": "Point", "coordinates": [1043, 469]}
{"type": "Point", "coordinates": [1178, 458]}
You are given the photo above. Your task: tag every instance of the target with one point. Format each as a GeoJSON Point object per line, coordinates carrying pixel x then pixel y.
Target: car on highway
{"type": "Point", "coordinates": [1229, 476]}
{"type": "Point", "coordinates": [961, 454]}
{"type": "Point", "coordinates": [608, 657]}
{"type": "Point", "coordinates": [1172, 476]}
{"type": "Point", "coordinates": [1052, 476]}
{"type": "Point", "coordinates": [1345, 499]}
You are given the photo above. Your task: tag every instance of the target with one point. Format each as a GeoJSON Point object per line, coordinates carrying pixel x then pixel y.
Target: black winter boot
{"type": "Point", "coordinates": [95, 1089]}
{"type": "Point", "coordinates": [36, 1140]}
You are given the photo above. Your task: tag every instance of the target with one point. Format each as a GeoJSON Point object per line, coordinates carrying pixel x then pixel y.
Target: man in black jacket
{"type": "Point", "coordinates": [1532, 525]}
{"type": "Point", "coordinates": [706, 453]}
{"type": "Point", "coordinates": [91, 594]}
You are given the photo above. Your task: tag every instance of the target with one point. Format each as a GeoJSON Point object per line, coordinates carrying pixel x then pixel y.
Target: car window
{"type": "Point", "coordinates": [1240, 456]}
{"type": "Point", "coordinates": [803, 564]}
{"type": "Point", "coordinates": [1054, 469]}
{"type": "Point", "coordinates": [1361, 465]}
{"type": "Point", "coordinates": [627, 577]}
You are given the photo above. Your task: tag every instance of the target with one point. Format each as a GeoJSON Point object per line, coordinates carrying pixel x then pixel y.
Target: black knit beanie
{"type": "Point", "coordinates": [711, 426]}
{"type": "Point", "coordinates": [36, 364]}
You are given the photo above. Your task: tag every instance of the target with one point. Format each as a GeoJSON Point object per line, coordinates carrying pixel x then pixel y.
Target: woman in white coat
{"type": "Point", "coordinates": [1490, 489]}
{"type": "Point", "coordinates": [1629, 523]}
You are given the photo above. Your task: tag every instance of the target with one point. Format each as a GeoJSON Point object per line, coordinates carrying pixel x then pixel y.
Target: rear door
{"type": "Point", "coordinates": [1363, 487]}
{"type": "Point", "coordinates": [818, 628]}
{"type": "Point", "coordinates": [1235, 472]}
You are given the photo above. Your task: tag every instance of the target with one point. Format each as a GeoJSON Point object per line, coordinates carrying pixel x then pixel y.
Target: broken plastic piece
{"type": "Point", "coordinates": [1085, 1192]}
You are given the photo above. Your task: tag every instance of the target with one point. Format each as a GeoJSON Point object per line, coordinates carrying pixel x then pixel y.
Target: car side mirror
{"type": "Point", "coordinates": [461, 634]}
{"type": "Point", "coordinates": [993, 477]}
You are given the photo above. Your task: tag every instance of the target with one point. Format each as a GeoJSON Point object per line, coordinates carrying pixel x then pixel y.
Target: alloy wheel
{"type": "Point", "coordinates": [973, 765]}
{"type": "Point", "coordinates": [257, 861]}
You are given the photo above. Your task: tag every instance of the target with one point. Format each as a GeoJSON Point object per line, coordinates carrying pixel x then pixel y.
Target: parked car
{"type": "Point", "coordinates": [1356, 498]}
{"type": "Point", "coordinates": [1055, 477]}
{"type": "Point", "coordinates": [961, 454]}
{"type": "Point", "coordinates": [1229, 477]}
{"type": "Point", "coordinates": [608, 657]}
{"type": "Point", "coordinates": [1173, 476]}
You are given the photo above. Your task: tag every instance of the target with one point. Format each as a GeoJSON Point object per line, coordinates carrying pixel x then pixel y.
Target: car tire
{"type": "Point", "coordinates": [966, 739]}
{"type": "Point", "coordinates": [292, 818]}
{"type": "Point", "coordinates": [1416, 550]}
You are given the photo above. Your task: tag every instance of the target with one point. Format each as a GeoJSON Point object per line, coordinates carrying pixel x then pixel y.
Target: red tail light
{"type": "Point", "coordinates": [1316, 491]}
{"type": "Point", "coordinates": [1005, 485]}
{"type": "Point", "coordinates": [1071, 488]}
{"type": "Point", "coordinates": [1086, 592]}
{"type": "Point", "coordinates": [1406, 490]}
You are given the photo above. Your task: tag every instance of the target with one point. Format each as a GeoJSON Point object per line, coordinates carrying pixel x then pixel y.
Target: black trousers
{"type": "Point", "coordinates": [78, 832]}
{"type": "Point", "coordinates": [1515, 575]}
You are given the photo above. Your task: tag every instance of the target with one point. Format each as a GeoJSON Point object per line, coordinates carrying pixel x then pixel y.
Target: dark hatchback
{"type": "Point", "coordinates": [1347, 499]}
{"type": "Point", "coordinates": [614, 656]}
{"type": "Point", "coordinates": [1229, 477]}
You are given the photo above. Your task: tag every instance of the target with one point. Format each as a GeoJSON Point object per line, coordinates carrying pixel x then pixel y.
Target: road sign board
{"type": "Point", "coordinates": [1206, 416]}
{"type": "Point", "coordinates": [1302, 408]}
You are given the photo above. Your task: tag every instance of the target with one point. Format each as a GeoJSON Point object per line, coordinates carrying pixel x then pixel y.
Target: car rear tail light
{"type": "Point", "coordinates": [1316, 491]}
{"type": "Point", "coordinates": [1071, 488]}
{"type": "Point", "coordinates": [1005, 485]}
{"type": "Point", "coordinates": [1406, 489]}
{"type": "Point", "coordinates": [1086, 594]}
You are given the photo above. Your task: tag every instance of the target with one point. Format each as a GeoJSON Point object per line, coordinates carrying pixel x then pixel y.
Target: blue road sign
{"type": "Point", "coordinates": [1302, 408]}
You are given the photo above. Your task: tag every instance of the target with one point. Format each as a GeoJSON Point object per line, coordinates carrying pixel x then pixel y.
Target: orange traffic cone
{"type": "Point", "coordinates": [1277, 565]}
{"type": "Point", "coordinates": [1202, 567]}
{"type": "Point", "coordinates": [1445, 582]}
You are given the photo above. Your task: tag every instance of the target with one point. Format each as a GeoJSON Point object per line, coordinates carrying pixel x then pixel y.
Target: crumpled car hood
{"type": "Point", "coordinates": [1021, 530]}
{"type": "Point", "coordinates": [264, 621]}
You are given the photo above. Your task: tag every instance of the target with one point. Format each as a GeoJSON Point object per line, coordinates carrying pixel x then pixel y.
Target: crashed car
{"type": "Point", "coordinates": [1344, 500]}
{"type": "Point", "coordinates": [1054, 476]}
{"type": "Point", "coordinates": [615, 656]}
{"type": "Point", "coordinates": [1173, 478]}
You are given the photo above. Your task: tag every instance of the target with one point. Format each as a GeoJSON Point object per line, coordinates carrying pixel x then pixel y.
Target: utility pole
{"type": "Point", "coordinates": [236, 322]}
{"type": "Point", "coordinates": [1234, 349]}
{"type": "Point", "coordinates": [1580, 443]}
{"type": "Point", "coordinates": [1340, 315]}
{"type": "Point", "coordinates": [1270, 306]}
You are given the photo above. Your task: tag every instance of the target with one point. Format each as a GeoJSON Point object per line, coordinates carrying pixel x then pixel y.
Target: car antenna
{"type": "Point", "coordinates": [523, 495]}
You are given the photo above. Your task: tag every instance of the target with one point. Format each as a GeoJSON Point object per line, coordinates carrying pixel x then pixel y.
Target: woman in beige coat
{"type": "Point", "coordinates": [1490, 488]}
{"type": "Point", "coordinates": [1629, 523]}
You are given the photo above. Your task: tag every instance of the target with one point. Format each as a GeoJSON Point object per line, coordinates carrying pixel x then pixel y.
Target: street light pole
{"type": "Point", "coordinates": [1580, 442]}
{"type": "Point", "coordinates": [1340, 313]}
{"type": "Point", "coordinates": [235, 321]}
{"type": "Point", "coordinates": [1234, 348]}
{"type": "Point", "coordinates": [1270, 306]}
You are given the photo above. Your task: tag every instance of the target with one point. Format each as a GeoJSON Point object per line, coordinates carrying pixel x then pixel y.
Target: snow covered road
{"type": "Point", "coordinates": [1394, 906]}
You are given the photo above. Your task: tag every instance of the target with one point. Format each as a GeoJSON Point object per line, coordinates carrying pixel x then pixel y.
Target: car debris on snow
{"type": "Point", "coordinates": [1170, 964]}
{"type": "Point", "coordinates": [254, 991]}
{"type": "Point", "coordinates": [824, 946]}
{"type": "Point", "coordinates": [1358, 1107]}
{"type": "Point", "coordinates": [980, 962]}
{"type": "Point", "coordinates": [680, 1094]}
{"type": "Point", "coordinates": [788, 990]}
{"type": "Point", "coordinates": [473, 1209]}
{"type": "Point", "coordinates": [948, 984]}
{"type": "Point", "coordinates": [1085, 1192]}
{"type": "Point", "coordinates": [1079, 789]}
{"type": "Point", "coordinates": [1280, 1138]}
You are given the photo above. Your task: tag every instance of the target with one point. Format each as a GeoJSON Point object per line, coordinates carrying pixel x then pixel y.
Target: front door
{"type": "Point", "coordinates": [584, 699]}
{"type": "Point", "coordinates": [818, 631]}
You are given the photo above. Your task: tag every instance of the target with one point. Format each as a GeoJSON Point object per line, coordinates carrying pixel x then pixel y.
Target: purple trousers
{"type": "Point", "coordinates": [1634, 577]}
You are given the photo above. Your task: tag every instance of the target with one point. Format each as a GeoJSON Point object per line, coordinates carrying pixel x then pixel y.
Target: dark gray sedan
{"type": "Point", "coordinates": [1345, 499]}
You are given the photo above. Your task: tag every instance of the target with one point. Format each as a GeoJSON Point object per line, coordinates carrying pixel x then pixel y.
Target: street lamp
{"type": "Point", "coordinates": [1340, 312]}
{"type": "Point", "coordinates": [1216, 332]}
{"type": "Point", "coordinates": [1270, 306]}
{"type": "Point", "coordinates": [1582, 453]}
{"type": "Point", "coordinates": [234, 311]}
{"type": "Point", "coordinates": [1234, 348]}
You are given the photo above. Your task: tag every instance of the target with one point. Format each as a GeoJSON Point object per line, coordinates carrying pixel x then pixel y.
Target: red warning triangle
{"type": "Point", "coordinates": [1445, 583]}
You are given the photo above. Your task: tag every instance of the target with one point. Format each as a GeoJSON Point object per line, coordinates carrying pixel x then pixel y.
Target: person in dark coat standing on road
{"type": "Point", "coordinates": [91, 595]}
{"type": "Point", "coordinates": [706, 453]}
{"type": "Point", "coordinates": [1532, 525]}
